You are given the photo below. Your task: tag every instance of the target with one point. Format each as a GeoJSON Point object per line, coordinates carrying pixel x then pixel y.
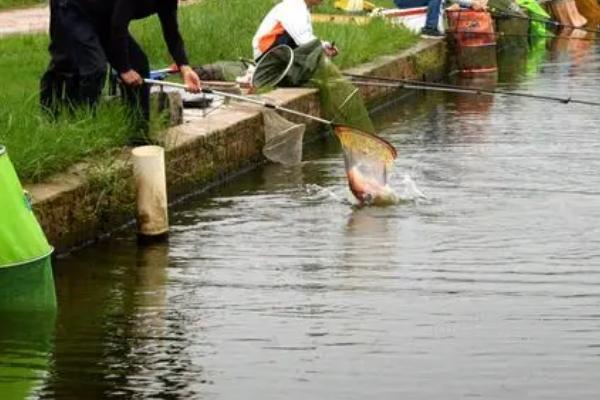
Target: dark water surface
{"type": "Point", "coordinates": [274, 287]}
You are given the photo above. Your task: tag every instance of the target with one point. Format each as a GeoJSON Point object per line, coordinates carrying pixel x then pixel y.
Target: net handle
{"type": "Point", "coordinates": [243, 98]}
{"type": "Point", "coordinates": [278, 108]}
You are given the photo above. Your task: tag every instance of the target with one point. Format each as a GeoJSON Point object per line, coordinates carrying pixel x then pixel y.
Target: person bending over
{"type": "Point", "coordinates": [435, 12]}
{"type": "Point", "coordinates": [86, 34]}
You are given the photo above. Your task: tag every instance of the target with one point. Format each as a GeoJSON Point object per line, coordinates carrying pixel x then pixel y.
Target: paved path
{"type": "Point", "coordinates": [24, 21]}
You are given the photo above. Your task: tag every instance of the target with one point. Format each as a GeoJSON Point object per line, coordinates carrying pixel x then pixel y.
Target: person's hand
{"type": "Point", "coordinates": [132, 78]}
{"type": "Point", "coordinates": [330, 49]}
{"type": "Point", "coordinates": [190, 78]}
{"type": "Point", "coordinates": [479, 5]}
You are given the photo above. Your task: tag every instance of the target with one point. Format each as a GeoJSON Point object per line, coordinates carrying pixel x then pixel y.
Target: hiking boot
{"type": "Point", "coordinates": [431, 33]}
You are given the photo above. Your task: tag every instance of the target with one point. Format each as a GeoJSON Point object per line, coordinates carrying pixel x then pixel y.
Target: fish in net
{"type": "Point", "coordinates": [369, 160]}
{"type": "Point", "coordinates": [283, 139]}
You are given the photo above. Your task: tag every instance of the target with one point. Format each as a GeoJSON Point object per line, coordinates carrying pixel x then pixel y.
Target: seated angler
{"type": "Point", "coordinates": [289, 23]}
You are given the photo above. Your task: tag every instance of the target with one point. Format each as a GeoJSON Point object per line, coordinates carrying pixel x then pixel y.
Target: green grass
{"type": "Point", "coordinates": [10, 4]}
{"type": "Point", "coordinates": [328, 8]}
{"type": "Point", "coordinates": [213, 30]}
{"type": "Point", "coordinates": [208, 38]}
{"type": "Point", "coordinates": [36, 146]}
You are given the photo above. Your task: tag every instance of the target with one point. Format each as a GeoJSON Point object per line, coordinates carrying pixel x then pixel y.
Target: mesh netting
{"type": "Point", "coordinates": [341, 100]}
{"type": "Point", "coordinates": [273, 67]}
{"type": "Point", "coordinates": [369, 160]}
{"type": "Point", "coordinates": [28, 287]}
{"type": "Point", "coordinates": [283, 139]}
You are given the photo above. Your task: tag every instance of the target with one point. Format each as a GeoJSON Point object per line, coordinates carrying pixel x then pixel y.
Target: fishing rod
{"type": "Point", "coordinates": [498, 13]}
{"type": "Point", "coordinates": [339, 129]}
{"type": "Point", "coordinates": [443, 87]}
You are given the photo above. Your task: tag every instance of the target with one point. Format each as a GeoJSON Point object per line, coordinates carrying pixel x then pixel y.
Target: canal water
{"type": "Point", "coordinates": [274, 286]}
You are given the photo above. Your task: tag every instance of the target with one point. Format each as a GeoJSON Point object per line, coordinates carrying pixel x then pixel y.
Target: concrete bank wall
{"type": "Point", "coordinates": [91, 200]}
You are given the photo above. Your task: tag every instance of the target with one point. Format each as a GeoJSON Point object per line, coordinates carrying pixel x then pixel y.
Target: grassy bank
{"type": "Point", "coordinates": [10, 4]}
{"type": "Point", "coordinates": [208, 37]}
{"type": "Point", "coordinates": [328, 8]}
{"type": "Point", "coordinates": [36, 146]}
{"type": "Point", "coordinates": [213, 30]}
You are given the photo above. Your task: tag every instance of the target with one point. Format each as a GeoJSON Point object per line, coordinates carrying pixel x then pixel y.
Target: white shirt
{"type": "Point", "coordinates": [291, 16]}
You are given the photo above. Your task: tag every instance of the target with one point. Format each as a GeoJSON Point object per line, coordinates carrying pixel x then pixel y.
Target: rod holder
{"type": "Point", "coordinates": [151, 191]}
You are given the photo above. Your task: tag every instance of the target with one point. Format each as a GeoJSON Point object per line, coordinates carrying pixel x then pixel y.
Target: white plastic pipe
{"type": "Point", "coordinates": [151, 189]}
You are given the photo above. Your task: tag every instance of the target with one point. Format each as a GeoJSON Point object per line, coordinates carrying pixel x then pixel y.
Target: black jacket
{"type": "Point", "coordinates": [115, 15]}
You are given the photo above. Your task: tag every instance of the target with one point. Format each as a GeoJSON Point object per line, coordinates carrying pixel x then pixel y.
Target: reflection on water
{"type": "Point", "coordinates": [25, 352]}
{"type": "Point", "coordinates": [275, 287]}
{"type": "Point", "coordinates": [116, 335]}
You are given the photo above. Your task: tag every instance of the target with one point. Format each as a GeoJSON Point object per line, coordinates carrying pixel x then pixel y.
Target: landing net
{"type": "Point", "coordinates": [283, 139]}
{"type": "Point", "coordinates": [369, 160]}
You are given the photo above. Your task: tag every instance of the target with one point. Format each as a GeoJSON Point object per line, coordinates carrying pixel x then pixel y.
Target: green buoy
{"type": "Point", "coordinates": [26, 281]}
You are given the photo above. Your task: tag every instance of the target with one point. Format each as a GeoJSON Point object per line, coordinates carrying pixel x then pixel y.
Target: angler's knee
{"type": "Point", "coordinates": [90, 85]}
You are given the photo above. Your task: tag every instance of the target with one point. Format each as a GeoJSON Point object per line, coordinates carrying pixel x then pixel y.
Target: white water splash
{"type": "Point", "coordinates": [410, 191]}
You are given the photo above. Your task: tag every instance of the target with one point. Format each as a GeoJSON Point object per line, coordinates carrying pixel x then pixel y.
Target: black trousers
{"type": "Point", "coordinates": [79, 56]}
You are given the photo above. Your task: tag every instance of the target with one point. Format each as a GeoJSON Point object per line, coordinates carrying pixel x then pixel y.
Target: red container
{"type": "Point", "coordinates": [472, 33]}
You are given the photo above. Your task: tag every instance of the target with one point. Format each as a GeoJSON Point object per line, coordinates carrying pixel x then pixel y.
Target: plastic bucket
{"type": "Point", "coordinates": [473, 36]}
{"type": "Point", "coordinates": [26, 281]}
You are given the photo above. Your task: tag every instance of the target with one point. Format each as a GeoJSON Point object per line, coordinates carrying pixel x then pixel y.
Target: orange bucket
{"type": "Point", "coordinates": [472, 33]}
{"type": "Point", "coordinates": [471, 28]}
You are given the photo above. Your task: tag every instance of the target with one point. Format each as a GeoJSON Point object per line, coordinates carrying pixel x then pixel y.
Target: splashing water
{"type": "Point", "coordinates": [410, 190]}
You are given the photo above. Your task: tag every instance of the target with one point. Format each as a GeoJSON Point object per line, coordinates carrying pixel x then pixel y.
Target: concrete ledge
{"type": "Point", "coordinates": [88, 202]}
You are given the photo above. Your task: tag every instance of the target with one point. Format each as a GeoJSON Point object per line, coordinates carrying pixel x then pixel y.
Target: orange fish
{"type": "Point", "coordinates": [368, 190]}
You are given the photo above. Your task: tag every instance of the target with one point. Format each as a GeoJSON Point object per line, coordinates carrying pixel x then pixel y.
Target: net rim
{"type": "Point", "coordinates": [28, 261]}
{"type": "Point", "coordinates": [287, 68]}
{"type": "Point", "coordinates": [369, 135]}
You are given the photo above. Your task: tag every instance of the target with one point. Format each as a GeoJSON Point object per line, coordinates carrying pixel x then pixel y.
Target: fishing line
{"type": "Point", "coordinates": [498, 13]}
{"type": "Point", "coordinates": [442, 87]}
